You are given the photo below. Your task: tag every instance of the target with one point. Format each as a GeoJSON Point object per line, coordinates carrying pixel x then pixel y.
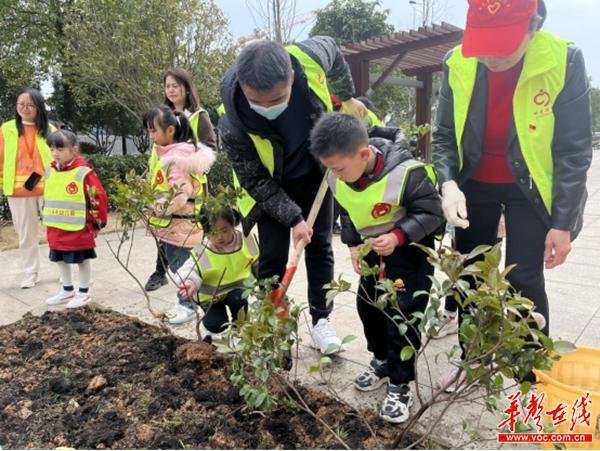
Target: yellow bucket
{"type": "Point", "coordinates": [570, 378]}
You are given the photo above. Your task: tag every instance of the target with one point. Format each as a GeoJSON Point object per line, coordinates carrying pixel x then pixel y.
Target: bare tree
{"type": "Point", "coordinates": [430, 11]}
{"type": "Point", "coordinates": [276, 18]}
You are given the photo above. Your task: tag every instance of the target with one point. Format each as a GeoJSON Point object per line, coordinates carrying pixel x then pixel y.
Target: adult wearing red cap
{"type": "Point", "coordinates": [514, 131]}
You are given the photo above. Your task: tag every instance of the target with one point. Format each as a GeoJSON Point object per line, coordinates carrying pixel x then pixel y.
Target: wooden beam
{"type": "Point", "coordinates": [404, 47]}
{"type": "Point", "coordinates": [387, 72]}
{"type": "Point", "coordinates": [423, 115]}
{"type": "Point", "coordinates": [360, 76]}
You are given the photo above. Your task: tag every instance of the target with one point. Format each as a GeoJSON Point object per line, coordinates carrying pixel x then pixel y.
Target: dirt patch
{"type": "Point", "coordinates": [99, 379]}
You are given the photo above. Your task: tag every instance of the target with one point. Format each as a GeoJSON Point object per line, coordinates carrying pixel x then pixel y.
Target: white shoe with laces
{"type": "Point", "coordinates": [79, 300]}
{"type": "Point", "coordinates": [180, 314]}
{"type": "Point", "coordinates": [60, 298]}
{"type": "Point", "coordinates": [324, 337]}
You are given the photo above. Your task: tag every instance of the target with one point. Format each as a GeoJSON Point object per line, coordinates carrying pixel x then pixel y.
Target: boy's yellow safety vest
{"type": "Point", "coordinates": [375, 121]}
{"type": "Point", "coordinates": [317, 83]}
{"type": "Point", "coordinates": [222, 273]}
{"type": "Point", "coordinates": [64, 199]}
{"type": "Point", "coordinates": [11, 142]}
{"type": "Point", "coordinates": [376, 209]}
{"type": "Point", "coordinates": [542, 80]}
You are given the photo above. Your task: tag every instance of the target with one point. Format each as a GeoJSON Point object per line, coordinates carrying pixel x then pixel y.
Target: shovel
{"type": "Point", "coordinates": [278, 295]}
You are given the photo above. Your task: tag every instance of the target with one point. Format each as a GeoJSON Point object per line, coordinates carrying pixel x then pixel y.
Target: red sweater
{"type": "Point", "coordinates": [493, 165]}
{"type": "Point", "coordinates": [63, 240]}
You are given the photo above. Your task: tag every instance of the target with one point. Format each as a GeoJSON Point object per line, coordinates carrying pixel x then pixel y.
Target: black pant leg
{"type": "Point", "coordinates": [525, 242]}
{"type": "Point", "coordinates": [161, 261]}
{"type": "Point", "coordinates": [372, 319]}
{"type": "Point", "coordinates": [318, 254]}
{"type": "Point", "coordinates": [274, 243]}
{"type": "Point", "coordinates": [215, 317]}
{"type": "Point", "coordinates": [235, 303]}
{"type": "Point", "coordinates": [484, 207]}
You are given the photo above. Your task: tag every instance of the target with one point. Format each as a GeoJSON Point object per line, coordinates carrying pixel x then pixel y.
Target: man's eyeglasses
{"type": "Point", "coordinates": [26, 106]}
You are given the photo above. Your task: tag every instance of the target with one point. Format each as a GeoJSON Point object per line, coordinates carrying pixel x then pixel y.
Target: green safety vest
{"type": "Point", "coordinates": [376, 209]}
{"type": "Point", "coordinates": [64, 199]}
{"type": "Point", "coordinates": [222, 273]}
{"type": "Point", "coordinates": [11, 142]}
{"type": "Point", "coordinates": [317, 83]}
{"type": "Point", "coordinates": [375, 121]}
{"type": "Point", "coordinates": [542, 80]}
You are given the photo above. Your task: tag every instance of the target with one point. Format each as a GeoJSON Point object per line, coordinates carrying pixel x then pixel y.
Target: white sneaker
{"type": "Point", "coordinates": [29, 280]}
{"type": "Point", "coordinates": [180, 314]}
{"type": "Point", "coordinates": [79, 300]}
{"type": "Point", "coordinates": [324, 337]}
{"type": "Point", "coordinates": [60, 298]}
{"type": "Point", "coordinates": [207, 334]}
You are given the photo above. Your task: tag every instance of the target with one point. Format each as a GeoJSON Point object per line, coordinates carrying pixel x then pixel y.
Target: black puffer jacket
{"type": "Point", "coordinates": [571, 146]}
{"type": "Point", "coordinates": [424, 215]}
{"type": "Point", "coordinates": [240, 120]}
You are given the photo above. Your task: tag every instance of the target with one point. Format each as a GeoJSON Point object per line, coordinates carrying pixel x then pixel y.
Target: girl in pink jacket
{"type": "Point", "coordinates": [180, 166]}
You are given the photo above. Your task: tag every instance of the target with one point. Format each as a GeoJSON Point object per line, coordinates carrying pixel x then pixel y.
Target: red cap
{"type": "Point", "coordinates": [496, 27]}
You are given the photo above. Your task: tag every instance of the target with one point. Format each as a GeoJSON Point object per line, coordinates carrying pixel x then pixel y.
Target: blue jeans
{"type": "Point", "coordinates": [176, 257]}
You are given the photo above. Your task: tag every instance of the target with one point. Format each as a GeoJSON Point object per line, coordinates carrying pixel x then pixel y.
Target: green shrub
{"type": "Point", "coordinates": [220, 173]}
{"type": "Point", "coordinates": [116, 165]}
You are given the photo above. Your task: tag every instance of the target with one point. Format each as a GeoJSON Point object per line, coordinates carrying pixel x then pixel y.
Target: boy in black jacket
{"type": "Point", "coordinates": [388, 201]}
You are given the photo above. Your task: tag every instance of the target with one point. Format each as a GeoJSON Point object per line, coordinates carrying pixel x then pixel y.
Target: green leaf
{"type": "Point", "coordinates": [348, 339]}
{"type": "Point", "coordinates": [324, 360]}
{"type": "Point", "coordinates": [406, 353]}
{"type": "Point", "coordinates": [564, 347]}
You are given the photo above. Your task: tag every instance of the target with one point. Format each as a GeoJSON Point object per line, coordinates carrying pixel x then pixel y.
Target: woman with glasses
{"type": "Point", "coordinates": [24, 156]}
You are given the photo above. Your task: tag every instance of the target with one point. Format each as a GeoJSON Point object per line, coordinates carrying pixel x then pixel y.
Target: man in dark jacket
{"type": "Point", "coordinates": [272, 97]}
{"type": "Point", "coordinates": [514, 132]}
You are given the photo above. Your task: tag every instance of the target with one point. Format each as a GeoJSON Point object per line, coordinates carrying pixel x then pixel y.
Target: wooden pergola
{"type": "Point", "coordinates": [417, 53]}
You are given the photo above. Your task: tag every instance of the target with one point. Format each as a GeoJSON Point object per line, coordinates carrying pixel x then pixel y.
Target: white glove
{"type": "Point", "coordinates": [454, 205]}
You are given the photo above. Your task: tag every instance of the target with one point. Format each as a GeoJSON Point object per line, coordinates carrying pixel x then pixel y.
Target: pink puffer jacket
{"type": "Point", "coordinates": [184, 160]}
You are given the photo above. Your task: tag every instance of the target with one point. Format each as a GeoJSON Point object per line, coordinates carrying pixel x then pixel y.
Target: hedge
{"type": "Point", "coordinates": [108, 166]}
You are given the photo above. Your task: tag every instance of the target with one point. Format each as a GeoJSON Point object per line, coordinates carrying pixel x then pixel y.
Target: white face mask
{"type": "Point", "coordinates": [272, 112]}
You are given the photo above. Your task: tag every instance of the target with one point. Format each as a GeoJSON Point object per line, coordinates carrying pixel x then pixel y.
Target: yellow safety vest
{"type": "Point", "coordinates": [64, 199]}
{"type": "Point", "coordinates": [11, 142]}
{"type": "Point", "coordinates": [158, 173]}
{"type": "Point", "coordinates": [542, 80]}
{"type": "Point", "coordinates": [376, 209]}
{"type": "Point", "coordinates": [159, 178]}
{"type": "Point", "coordinates": [375, 121]}
{"type": "Point", "coordinates": [317, 83]}
{"type": "Point", "coordinates": [222, 273]}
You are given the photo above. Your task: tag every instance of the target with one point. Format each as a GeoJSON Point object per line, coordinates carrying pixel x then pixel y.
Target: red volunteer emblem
{"type": "Point", "coordinates": [72, 188]}
{"type": "Point", "coordinates": [542, 98]}
{"type": "Point", "coordinates": [380, 210]}
{"type": "Point", "coordinates": [159, 178]}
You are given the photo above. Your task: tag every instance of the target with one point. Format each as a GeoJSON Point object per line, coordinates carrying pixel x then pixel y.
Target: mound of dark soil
{"type": "Point", "coordinates": [98, 379]}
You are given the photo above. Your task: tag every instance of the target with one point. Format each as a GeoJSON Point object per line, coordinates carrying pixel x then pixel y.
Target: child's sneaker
{"type": "Point", "coordinates": [324, 337]}
{"type": "Point", "coordinates": [79, 300]}
{"type": "Point", "coordinates": [209, 336]}
{"type": "Point", "coordinates": [60, 298]}
{"type": "Point", "coordinates": [373, 377]}
{"type": "Point", "coordinates": [180, 314]}
{"type": "Point", "coordinates": [397, 403]}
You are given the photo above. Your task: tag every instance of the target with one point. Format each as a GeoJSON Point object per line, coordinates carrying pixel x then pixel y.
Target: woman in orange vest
{"type": "Point", "coordinates": [24, 156]}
